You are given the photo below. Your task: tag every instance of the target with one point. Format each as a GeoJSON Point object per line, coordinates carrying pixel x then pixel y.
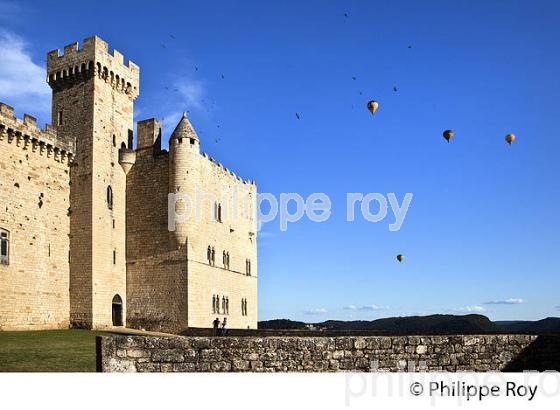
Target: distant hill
{"type": "Point", "coordinates": [418, 324]}
{"type": "Point", "coordinates": [548, 325]}
{"type": "Point", "coordinates": [282, 324]}
{"type": "Point", "coordinates": [433, 324]}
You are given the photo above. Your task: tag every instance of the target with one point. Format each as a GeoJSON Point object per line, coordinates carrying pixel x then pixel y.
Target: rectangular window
{"type": "Point", "coordinates": [4, 247]}
{"type": "Point", "coordinates": [130, 138]}
{"type": "Point", "coordinates": [59, 118]}
{"type": "Point", "coordinates": [114, 257]}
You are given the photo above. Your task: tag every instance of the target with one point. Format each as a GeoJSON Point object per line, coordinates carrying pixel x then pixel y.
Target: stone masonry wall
{"type": "Point", "coordinates": [34, 203]}
{"type": "Point", "coordinates": [156, 275]}
{"type": "Point", "coordinates": [309, 354]}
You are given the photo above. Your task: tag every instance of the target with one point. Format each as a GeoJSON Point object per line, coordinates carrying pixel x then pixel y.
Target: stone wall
{"type": "Point", "coordinates": [312, 354]}
{"type": "Point", "coordinates": [156, 275]}
{"type": "Point", "coordinates": [34, 204]}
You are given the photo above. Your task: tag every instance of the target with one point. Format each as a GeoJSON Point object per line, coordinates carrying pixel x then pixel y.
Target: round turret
{"type": "Point", "coordinates": [184, 153]}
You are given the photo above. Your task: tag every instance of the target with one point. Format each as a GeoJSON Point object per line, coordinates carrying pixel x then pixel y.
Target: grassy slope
{"type": "Point", "coordinates": [48, 351]}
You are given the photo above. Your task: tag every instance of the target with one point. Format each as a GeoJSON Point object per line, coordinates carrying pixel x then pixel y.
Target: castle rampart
{"type": "Point", "coordinates": [35, 167]}
{"type": "Point", "coordinates": [24, 133]}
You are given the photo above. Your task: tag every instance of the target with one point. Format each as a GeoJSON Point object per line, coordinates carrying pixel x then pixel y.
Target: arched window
{"type": "Point", "coordinates": [248, 267]}
{"type": "Point", "coordinates": [209, 255]}
{"type": "Point", "coordinates": [123, 146]}
{"type": "Point", "coordinates": [224, 304]}
{"type": "Point", "coordinates": [110, 197]}
{"type": "Point", "coordinates": [4, 247]}
{"type": "Point", "coordinates": [219, 212]}
{"type": "Point", "coordinates": [213, 257]}
{"type": "Point", "coordinates": [213, 303]}
{"type": "Point", "coordinates": [224, 258]}
{"type": "Point", "coordinates": [227, 259]}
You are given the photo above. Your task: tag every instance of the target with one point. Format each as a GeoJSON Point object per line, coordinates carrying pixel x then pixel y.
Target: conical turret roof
{"type": "Point", "coordinates": [184, 129]}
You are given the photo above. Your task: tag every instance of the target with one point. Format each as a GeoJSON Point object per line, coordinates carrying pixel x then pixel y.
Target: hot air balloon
{"type": "Point", "coordinates": [448, 134]}
{"type": "Point", "coordinates": [372, 106]}
{"type": "Point", "coordinates": [400, 258]}
{"type": "Point", "coordinates": [510, 138]}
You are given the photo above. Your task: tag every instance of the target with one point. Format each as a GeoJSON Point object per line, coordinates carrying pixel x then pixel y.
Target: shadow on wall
{"type": "Point", "coordinates": [541, 355]}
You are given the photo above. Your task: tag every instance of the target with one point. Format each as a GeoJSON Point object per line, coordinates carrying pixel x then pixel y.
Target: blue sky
{"type": "Point", "coordinates": [483, 224]}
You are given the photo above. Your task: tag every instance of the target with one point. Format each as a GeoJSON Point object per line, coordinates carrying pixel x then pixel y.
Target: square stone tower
{"type": "Point", "coordinates": [92, 104]}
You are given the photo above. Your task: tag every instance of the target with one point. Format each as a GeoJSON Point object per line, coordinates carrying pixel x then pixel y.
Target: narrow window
{"type": "Point", "coordinates": [110, 197]}
{"type": "Point", "coordinates": [130, 138]}
{"type": "Point", "coordinates": [215, 211]}
{"type": "Point", "coordinates": [248, 267]}
{"type": "Point", "coordinates": [224, 259]}
{"type": "Point", "coordinates": [59, 118]}
{"type": "Point", "coordinates": [245, 307]}
{"type": "Point", "coordinates": [213, 303]}
{"type": "Point", "coordinates": [114, 256]}
{"type": "Point", "coordinates": [227, 259]}
{"type": "Point", "coordinates": [224, 304]}
{"type": "Point", "coordinates": [114, 140]}
{"type": "Point", "coordinates": [4, 247]}
{"type": "Point", "coordinates": [227, 305]}
{"type": "Point", "coordinates": [209, 255]}
{"type": "Point", "coordinates": [217, 303]}
{"type": "Point", "coordinates": [219, 212]}
{"type": "Point", "coordinates": [213, 257]}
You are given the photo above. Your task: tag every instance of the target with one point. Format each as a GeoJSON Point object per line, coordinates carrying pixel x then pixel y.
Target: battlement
{"type": "Point", "coordinates": [93, 59]}
{"type": "Point", "coordinates": [25, 134]}
{"type": "Point", "coordinates": [225, 170]}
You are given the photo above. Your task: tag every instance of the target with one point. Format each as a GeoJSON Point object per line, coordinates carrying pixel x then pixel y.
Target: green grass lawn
{"type": "Point", "coordinates": [48, 351]}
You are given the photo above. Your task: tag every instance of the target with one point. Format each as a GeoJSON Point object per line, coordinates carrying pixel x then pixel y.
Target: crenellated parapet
{"type": "Point", "coordinates": [92, 60]}
{"type": "Point", "coordinates": [226, 171]}
{"type": "Point", "coordinates": [25, 134]}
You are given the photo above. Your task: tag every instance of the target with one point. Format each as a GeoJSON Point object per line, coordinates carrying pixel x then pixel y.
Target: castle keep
{"type": "Point", "coordinates": [97, 233]}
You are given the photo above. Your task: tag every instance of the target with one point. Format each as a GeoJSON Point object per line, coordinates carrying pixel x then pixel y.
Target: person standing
{"type": "Point", "coordinates": [224, 327]}
{"type": "Point", "coordinates": [216, 324]}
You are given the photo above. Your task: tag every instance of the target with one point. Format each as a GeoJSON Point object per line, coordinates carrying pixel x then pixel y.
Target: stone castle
{"type": "Point", "coordinates": [95, 233]}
